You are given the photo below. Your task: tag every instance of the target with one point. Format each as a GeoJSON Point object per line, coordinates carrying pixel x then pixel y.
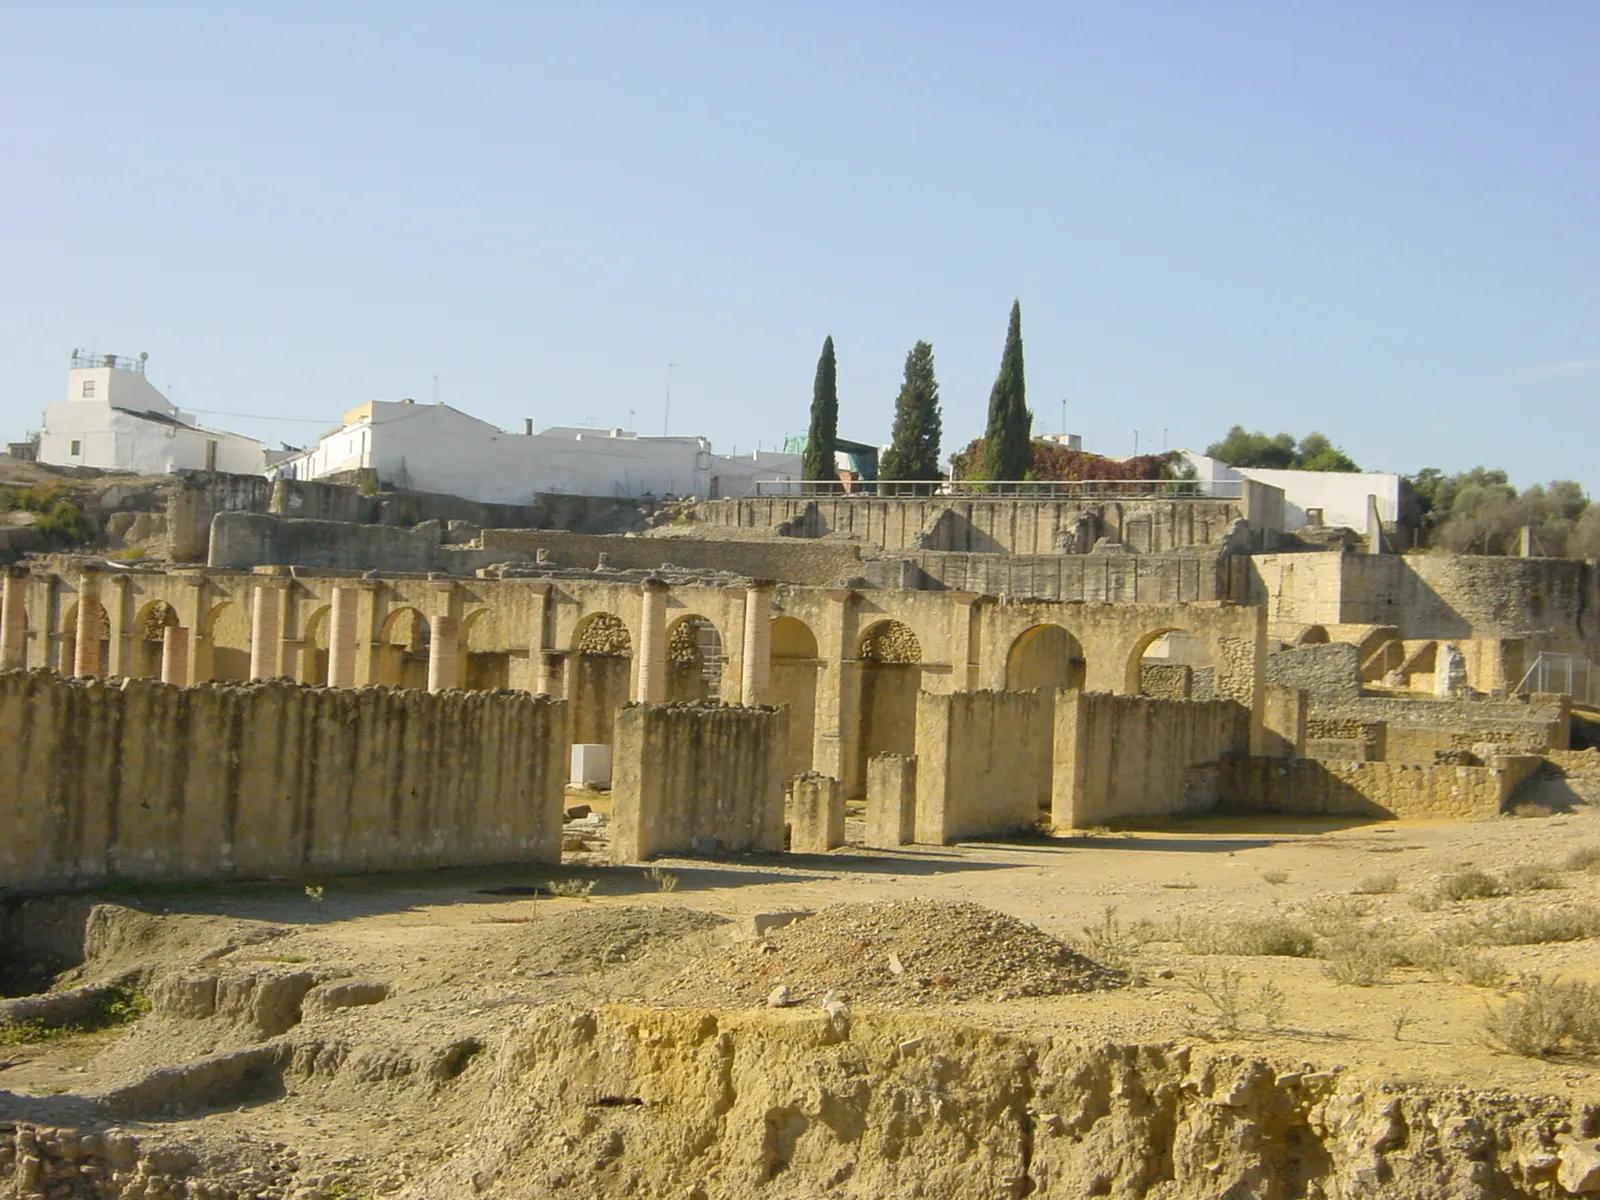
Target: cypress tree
{"type": "Point", "coordinates": [914, 448]}
{"type": "Point", "coordinates": [819, 464]}
{"type": "Point", "coordinates": [1008, 439]}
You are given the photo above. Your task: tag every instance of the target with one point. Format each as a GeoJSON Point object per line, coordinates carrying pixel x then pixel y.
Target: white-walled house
{"type": "Point", "coordinates": [113, 418]}
{"type": "Point", "coordinates": [1340, 495]}
{"type": "Point", "coordinates": [436, 448]}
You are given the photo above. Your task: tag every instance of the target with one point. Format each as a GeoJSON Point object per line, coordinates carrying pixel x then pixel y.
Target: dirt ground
{"type": "Point", "coordinates": [463, 955]}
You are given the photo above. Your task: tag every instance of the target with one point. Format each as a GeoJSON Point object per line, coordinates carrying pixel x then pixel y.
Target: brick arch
{"type": "Point", "coordinates": [696, 658]}
{"type": "Point", "coordinates": [887, 640]}
{"type": "Point", "coordinates": [1177, 682]}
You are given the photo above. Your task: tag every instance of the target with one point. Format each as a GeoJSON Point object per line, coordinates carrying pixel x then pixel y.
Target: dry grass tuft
{"type": "Point", "coordinates": [1547, 1018]}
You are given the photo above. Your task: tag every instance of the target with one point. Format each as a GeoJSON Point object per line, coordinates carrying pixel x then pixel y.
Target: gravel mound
{"type": "Point", "coordinates": [895, 953]}
{"type": "Point", "coordinates": [594, 939]}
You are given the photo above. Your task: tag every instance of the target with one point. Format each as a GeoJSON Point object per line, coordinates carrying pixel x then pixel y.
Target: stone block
{"type": "Point", "coordinates": [816, 823]}
{"type": "Point", "coordinates": [762, 923]}
{"type": "Point", "coordinates": [891, 800]}
{"type": "Point", "coordinates": [591, 765]}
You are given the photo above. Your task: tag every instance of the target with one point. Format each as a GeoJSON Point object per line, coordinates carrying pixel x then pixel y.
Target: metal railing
{"type": "Point", "coordinates": [117, 362]}
{"type": "Point", "coordinates": [1022, 489]}
{"type": "Point", "coordinates": [1572, 674]}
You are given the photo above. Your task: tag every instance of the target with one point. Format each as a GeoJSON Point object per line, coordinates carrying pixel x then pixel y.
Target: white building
{"type": "Point", "coordinates": [1341, 496]}
{"type": "Point", "coordinates": [436, 448]}
{"type": "Point", "coordinates": [114, 419]}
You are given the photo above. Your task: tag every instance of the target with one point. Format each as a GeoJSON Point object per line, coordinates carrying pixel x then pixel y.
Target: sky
{"type": "Point", "coordinates": [1372, 219]}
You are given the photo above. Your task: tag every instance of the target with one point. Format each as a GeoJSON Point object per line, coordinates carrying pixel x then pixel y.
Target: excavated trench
{"type": "Point", "coordinates": [613, 1100]}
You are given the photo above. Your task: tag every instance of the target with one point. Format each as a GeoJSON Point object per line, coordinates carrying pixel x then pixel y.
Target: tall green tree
{"type": "Point", "coordinates": [914, 447]}
{"type": "Point", "coordinates": [819, 463]}
{"type": "Point", "coordinates": [1010, 428]}
{"type": "Point", "coordinates": [1242, 448]}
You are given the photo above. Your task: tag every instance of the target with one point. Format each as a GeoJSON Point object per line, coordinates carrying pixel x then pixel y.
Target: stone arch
{"type": "Point", "coordinates": [1312, 635]}
{"type": "Point", "coordinates": [487, 662]}
{"type": "Point", "coordinates": [67, 652]}
{"type": "Point", "coordinates": [695, 659]}
{"type": "Point", "coordinates": [793, 681]}
{"type": "Point", "coordinates": [1045, 656]}
{"type": "Point", "coordinates": [223, 645]}
{"type": "Point", "coordinates": [601, 671]}
{"type": "Point", "coordinates": [404, 639]}
{"type": "Point", "coordinates": [313, 657]}
{"type": "Point", "coordinates": [150, 624]}
{"type": "Point", "coordinates": [889, 658]}
{"type": "Point", "coordinates": [1173, 663]}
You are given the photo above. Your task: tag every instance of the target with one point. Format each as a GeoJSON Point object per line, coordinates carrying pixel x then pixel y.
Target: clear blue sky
{"type": "Point", "coordinates": [1374, 219]}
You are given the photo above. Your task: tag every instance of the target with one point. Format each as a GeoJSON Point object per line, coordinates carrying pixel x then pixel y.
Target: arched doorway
{"type": "Point", "coordinates": [224, 644]}
{"type": "Point", "coordinates": [694, 660]}
{"type": "Point", "coordinates": [794, 682]}
{"type": "Point", "coordinates": [67, 652]}
{"type": "Point", "coordinates": [150, 625]}
{"type": "Point", "coordinates": [890, 661]}
{"type": "Point", "coordinates": [485, 662]}
{"type": "Point", "coordinates": [403, 643]}
{"type": "Point", "coordinates": [1173, 664]}
{"type": "Point", "coordinates": [600, 665]}
{"type": "Point", "coordinates": [312, 665]}
{"type": "Point", "coordinates": [1045, 656]}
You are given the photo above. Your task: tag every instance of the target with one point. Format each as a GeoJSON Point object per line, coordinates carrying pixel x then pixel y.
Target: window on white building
{"type": "Point", "coordinates": [88, 391]}
{"type": "Point", "coordinates": [77, 448]}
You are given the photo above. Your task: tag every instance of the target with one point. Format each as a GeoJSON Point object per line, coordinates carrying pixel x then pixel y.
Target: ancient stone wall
{"type": "Point", "coordinates": [983, 763]}
{"type": "Point", "coordinates": [241, 541]}
{"type": "Point", "coordinates": [998, 526]}
{"type": "Point", "coordinates": [691, 777]}
{"type": "Point", "coordinates": [1109, 578]}
{"type": "Point", "coordinates": [1411, 731]}
{"type": "Point", "coordinates": [821, 564]}
{"type": "Point", "coordinates": [1331, 669]}
{"type": "Point", "coordinates": [1369, 789]}
{"type": "Point", "coordinates": [199, 498]}
{"type": "Point", "coordinates": [1129, 756]}
{"type": "Point", "coordinates": [148, 782]}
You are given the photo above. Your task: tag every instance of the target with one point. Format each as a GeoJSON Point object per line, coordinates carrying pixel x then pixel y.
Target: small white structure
{"type": "Point", "coordinates": [114, 419]}
{"type": "Point", "coordinates": [436, 448]}
{"type": "Point", "coordinates": [1342, 496]}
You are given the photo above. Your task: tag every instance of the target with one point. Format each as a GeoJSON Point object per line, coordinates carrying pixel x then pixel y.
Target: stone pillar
{"type": "Point", "coordinates": [175, 656]}
{"type": "Point", "coordinates": [13, 623]}
{"type": "Point", "coordinates": [118, 610]}
{"type": "Point", "coordinates": [86, 658]}
{"type": "Point", "coordinates": [1284, 722]}
{"type": "Point", "coordinates": [266, 633]}
{"type": "Point", "coordinates": [549, 678]}
{"type": "Point", "coordinates": [816, 816]}
{"type": "Point", "coordinates": [342, 637]}
{"type": "Point", "coordinates": [757, 642]}
{"type": "Point", "coordinates": [444, 651]}
{"type": "Point", "coordinates": [891, 800]}
{"type": "Point", "coordinates": [651, 684]}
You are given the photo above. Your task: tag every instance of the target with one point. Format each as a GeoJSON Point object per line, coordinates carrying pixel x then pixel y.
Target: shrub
{"type": "Point", "coordinates": [1548, 1017]}
{"type": "Point", "coordinates": [1116, 945]}
{"type": "Point", "coordinates": [1528, 927]}
{"type": "Point", "coordinates": [1584, 858]}
{"type": "Point", "coordinates": [1272, 937]}
{"type": "Point", "coordinates": [1461, 963]}
{"type": "Point", "coordinates": [571, 889]}
{"type": "Point", "coordinates": [1378, 885]}
{"type": "Point", "coordinates": [1470, 884]}
{"type": "Point", "coordinates": [1533, 877]}
{"type": "Point", "coordinates": [1336, 916]}
{"type": "Point", "coordinates": [1275, 877]}
{"type": "Point", "coordinates": [1224, 993]}
{"type": "Point", "coordinates": [113, 1007]}
{"type": "Point", "coordinates": [1361, 959]}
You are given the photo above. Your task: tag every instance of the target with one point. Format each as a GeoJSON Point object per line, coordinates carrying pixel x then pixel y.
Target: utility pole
{"type": "Point", "coordinates": [666, 415]}
{"type": "Point", "coordinates": [1063, 416]}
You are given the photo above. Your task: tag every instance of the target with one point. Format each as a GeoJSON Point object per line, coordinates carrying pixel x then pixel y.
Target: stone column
{"type": "Point", "coordinates": [816, 819]}
{"type": "Point", "coordinates": [117, 613]}
{"type": "Point", "coordinates": [191, 615]}
{"type": "Point", "coordinates": [444, 650]}
{"type": "Point", "coordinates": [175, 656]}
{"type": "Point", "coordinates": [86, 659]}
{"type": "Point", "coordinates": [757, 641]}
{"type": "Point", "coordinates": [13, 623]}
{"type": "Point", "coordinates": [651, 685]}
{"type": "Point", "coordinates": [342, 637]}
{"type": "Point", "coordinates": [266, 632]}
{"type": "Point", "coordinates": [891, 800]}
{"type": "Point", "coordinates": [549, 679]}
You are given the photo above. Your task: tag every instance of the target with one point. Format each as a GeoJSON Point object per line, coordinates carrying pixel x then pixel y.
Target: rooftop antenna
{"type": "Point", "coordinates": [1063, 415]}
{"type": "Point", "coordinates": [1136, 443]}
{"type": "Point", "coordinates": [632, 420]}
{"type": "Point", "coordinates": [666, 414]}
{"type": "Point", "coordinates": [436, 389]}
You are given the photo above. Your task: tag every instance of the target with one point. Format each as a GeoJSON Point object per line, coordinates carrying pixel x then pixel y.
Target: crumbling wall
{"type": "Point", "coordinates": [789, 560]}
{"type": "Point", "coordinates": [684, 774]}
{"type": "Point", "coordinates": [149, 782]}
{"type": "Point", "coordinates": [993, 526]}
{"type": "Point", "coordinates": [199, 498]}
{"type": "Point", "coordinates": [1113, 578]}
{"type": "Point", "coordinates": [1129, 756]}
{"type": "Point", "coordinates": [983, 763]}
{"type": "Point", "coordinates": [1330, 669]}
{"type": "Point", "coordinates": [1410, 731]}
{"type": "Point", "coordinates": [1305, 786]}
